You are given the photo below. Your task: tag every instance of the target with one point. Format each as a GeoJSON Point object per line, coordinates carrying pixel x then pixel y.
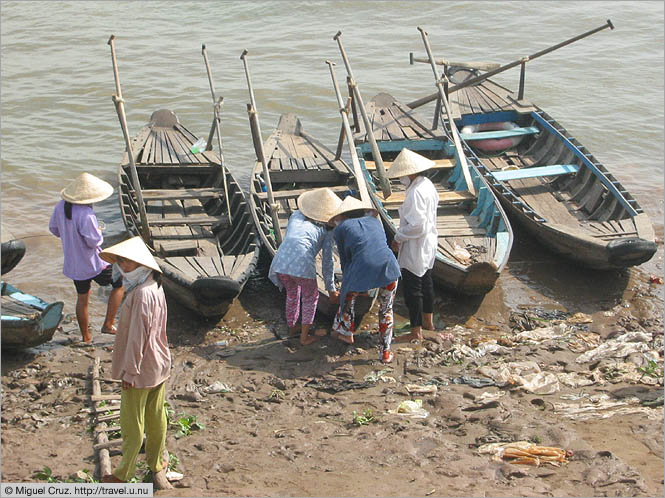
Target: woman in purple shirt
{"type": "Point", "coordinates": [75, 223]}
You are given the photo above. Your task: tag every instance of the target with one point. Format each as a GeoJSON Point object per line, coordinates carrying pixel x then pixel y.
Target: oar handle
{"type": "Point", "coordinates": [116, 76]}
{"type": "Point", "coordinates": [205, 58]}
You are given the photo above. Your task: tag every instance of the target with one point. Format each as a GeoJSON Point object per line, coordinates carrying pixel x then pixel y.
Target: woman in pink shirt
{"type": "Point", "coordinates": [141, 360]}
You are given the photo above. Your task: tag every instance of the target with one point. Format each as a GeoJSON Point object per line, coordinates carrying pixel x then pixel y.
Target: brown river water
{"type": "Point", "coordinates": [58, 118]}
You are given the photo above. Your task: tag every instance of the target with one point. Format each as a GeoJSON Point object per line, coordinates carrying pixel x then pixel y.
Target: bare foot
{"type": "Point", "coordinates": [110, 478]}
{"type": "Point", "coordinates": [408, 338]}
{"type": "Point", "coordinates": [308, 339]}
{"type": "Point", "coordinates": [345, 338]}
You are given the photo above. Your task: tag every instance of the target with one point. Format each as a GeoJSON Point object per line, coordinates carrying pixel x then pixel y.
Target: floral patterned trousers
{"type": "Point", "coordinates": [344, 322]}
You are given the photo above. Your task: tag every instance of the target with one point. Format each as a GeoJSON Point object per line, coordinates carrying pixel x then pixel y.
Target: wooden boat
{"type": "Point", "coordinates": [548, 181]}
{"type": "Point", "coordinates": [27, 321]}
{"type": "Point", "coordinates": [475, 236]}
{"type": "Point", "coordinates": [205, 254]}
{"type": "Point", "coordinates": [12, 252]}
{"type": "Point", "coordinates": [297, 162]}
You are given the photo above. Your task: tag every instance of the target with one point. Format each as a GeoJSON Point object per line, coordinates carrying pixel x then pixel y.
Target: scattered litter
{"type": "Point", "coordinates": [523, 374]}
{"type": "Point", "coordinates": [337, 385]}
{"type": "Point", "coordinates": [542, 334]}
{"type": "Point", "coordinates": [426, 389]}
{"type": "Point", "coordinates": [622, 346]}
{"type": "Point", "coordinates": [223, 343]}
{"type": "Point", "coordinates": [474, 381]}
{"type": "Point", "coordinates": [173, 476]}
{"type": "Point", "coordinates": [376, 375]}
{"type": "Point", "coordinates": [602, 406]}
{"type": "Point", "coordinates": [653, 403]}
{"type": "Point", "coordinates": [584, 341]}
{"type": "Point", "coordinates": [656, 280]}
{"type": "Point", "coordinates": [526, 453]}
{"type": "Point", "coordinates": [217, 387]}
{"type": "Point", "coordinates": [481, 350]}
{"type": "Point", "coordinates": [413, 409]}
{"type": "Point", "coordinates": [575, 379]}
{"type": "Point", "coordinates": [578, 318]}
{"type": "Point", "coordinates": [225, 353]}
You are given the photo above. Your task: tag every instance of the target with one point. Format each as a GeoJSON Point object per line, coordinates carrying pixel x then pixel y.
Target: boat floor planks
{"type": "Point", "coordinates": [186, 207]}
{"type": "Point", "coordinates": [586, 216]}
{"type": "Point", "coordinates": [464, 221]}
{"type": "Point", "coordinates": [316, 167]}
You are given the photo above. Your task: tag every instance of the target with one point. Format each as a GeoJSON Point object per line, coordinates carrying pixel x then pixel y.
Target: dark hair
{"type": "Point", "coordinates": [68, 210]}
{"type": "Point", "coordinates": [356, 213]}
{"type": "Point", "coordinates": [157, 277]}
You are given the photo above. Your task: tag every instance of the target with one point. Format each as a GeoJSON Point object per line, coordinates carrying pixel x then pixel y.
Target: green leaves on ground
{"type": "Point", "coordinates": [367, 417]}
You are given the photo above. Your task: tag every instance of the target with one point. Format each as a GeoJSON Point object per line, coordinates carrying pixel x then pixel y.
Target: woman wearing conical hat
{"type": "Point", "coordinates": [367, 263]}
{"type": "Point", "coordinates": [141, 359]}
{"type": "Point", "coordinates": [293, 268]}
{"type": "Point", "coordinates": [74, 222]}
{"type": "Point", "coordinates": [416, 240]}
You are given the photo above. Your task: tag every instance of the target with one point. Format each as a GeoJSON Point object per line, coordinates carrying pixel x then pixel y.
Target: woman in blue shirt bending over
{"type": "Point", "coordinates": [294, 267]}
{"type": "Point", "coordinates": [367, 263]}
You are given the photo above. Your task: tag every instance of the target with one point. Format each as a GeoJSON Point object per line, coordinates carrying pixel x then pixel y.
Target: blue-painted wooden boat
{"type": "Point", "coordinates": [547, 180]}
{"type": "Point", "coordinates": [27, 321]}
{"type": "Point", "coordinates": [475, 236]}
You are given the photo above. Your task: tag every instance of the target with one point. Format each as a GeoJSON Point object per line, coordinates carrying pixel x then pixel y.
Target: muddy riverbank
{"type": "Point", "coordinates": [284, 420]}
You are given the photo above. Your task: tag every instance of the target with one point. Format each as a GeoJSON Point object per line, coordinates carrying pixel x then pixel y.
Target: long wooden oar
{"type": "Point", "coordinates": [258, 147]}
{"type": "Point", "coordinates": [217, 110]}
{"type": "Point", "coordinates": [120, 109]}
{"type": "Point", "coordinates": [360, 177]}
{"type": "Point", "coordinates": [453, 128]}
{"type": "Point", "coordinates": [482, 77]}
{"type": "Point", "coordinates": [380, 169]}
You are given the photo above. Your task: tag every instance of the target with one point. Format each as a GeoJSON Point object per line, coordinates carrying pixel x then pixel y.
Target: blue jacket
{"type": "Point", "coordinates": [367, 261]}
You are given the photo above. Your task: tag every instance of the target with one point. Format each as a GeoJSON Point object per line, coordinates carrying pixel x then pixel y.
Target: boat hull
{"type": "Point", "coordinates": [12, 253]}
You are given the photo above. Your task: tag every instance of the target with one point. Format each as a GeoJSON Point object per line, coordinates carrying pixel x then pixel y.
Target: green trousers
{"type": "Point", "coordinates": [142, 411]}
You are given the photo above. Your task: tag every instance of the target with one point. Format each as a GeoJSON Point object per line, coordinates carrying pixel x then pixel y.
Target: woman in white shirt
{"type": "Point", "coordinates": [416, 240]}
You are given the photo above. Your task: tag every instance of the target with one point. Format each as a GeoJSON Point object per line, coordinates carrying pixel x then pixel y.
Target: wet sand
{"type": "Point", "coordinates": [286, 425]}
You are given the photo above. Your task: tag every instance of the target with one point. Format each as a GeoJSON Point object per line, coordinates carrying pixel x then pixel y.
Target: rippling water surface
{"type": "Point", "coordinates": [58, 118]}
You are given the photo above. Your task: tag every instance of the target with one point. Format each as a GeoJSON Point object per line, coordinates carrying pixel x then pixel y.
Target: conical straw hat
{"type": "Point", "coordinates": [409, 163]}
{"type": "Point", "coordinates": [351, 204]}
{"type": "Point", "coordinates": [319, 204]}
{"type": "Point", "coordinates": [134, 249]}
{"type": "Point", "coordinates": [86, 189]}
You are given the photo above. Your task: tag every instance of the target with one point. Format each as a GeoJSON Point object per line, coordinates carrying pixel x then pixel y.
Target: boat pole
{"type": "Point", "coordinates": [344, 111]}
{"type": "Point", "coordinates": [120, 109]}
{"type": "Point", "coordinates": [217, 110]}
{"type": "Point", "coordinates": [258, 147]}
{"type": "Point", "coordinates": [482, 77]}
{"type": "Point", "coordinates": [380, 168]}
{"type": "Point", "coordinates": [453, 128]}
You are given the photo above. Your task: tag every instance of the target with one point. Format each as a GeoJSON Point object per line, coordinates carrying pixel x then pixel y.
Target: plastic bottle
{"type": "Point", "coordinates": [199, 146]}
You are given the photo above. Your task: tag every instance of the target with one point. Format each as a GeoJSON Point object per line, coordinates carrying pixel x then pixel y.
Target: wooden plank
{"type": "Point", "coordinates": [490, 135]}
{"type": "Point", "coordinates": [306, 176]}
{"type": "Point", "coordinates": [171, 247]}
{"type": "Point", "coordinates": [449, 197]}
{"type": "Point", "coordinates": [288, 194]}
{"type": "Point", "coordinates": [537, 172]}
{"type": "Point", "coordinates": [207, 266]}
{"type": "Point", "coordinates": [188, 220]}
{"type": "Point", "coordinates": [193, 169]}
{"type": "Point", "coordinates": [184, 193]}
{"type": "Point", "coordinates": [440, 164]}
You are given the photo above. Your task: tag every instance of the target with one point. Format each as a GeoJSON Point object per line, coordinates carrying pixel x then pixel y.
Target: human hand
{"type": "Point", "coordinates": [334, 297]}
{"type": "Point", "coordinates": [394, 246]}
{"type": "Point", "coordinates": [126, 385]}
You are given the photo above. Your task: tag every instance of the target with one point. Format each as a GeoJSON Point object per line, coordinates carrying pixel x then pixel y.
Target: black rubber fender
{"type": "Point", "coordinates": [215, 289]}
{"type": "Point", "coordinates": [631, 251]}
{"type": "Point", "coordinates": [12, 252]}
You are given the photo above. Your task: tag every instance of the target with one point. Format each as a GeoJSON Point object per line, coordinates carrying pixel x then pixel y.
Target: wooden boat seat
{"type": "Point", "coordinates": [290, 194]}
{"type": "Point", "coordinates": [170, 169]}
{"type": "Point", "coordinates": [215, 221]}
{"type": "Point", "coordinates": [440, 164]}
{"type": "Point", "coordinates": [181, 194]}
{"type": "Point", "coordinates": [537, 172]}
{"type": "Point", "coordinates": [177, 247]}
{"type": "Point", "coordinates": [488, 135]}
{"type": "Point", "coordinates": [450, 197]}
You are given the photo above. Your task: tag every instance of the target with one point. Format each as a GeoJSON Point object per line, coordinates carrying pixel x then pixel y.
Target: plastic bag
{"type": "Point", "coordinates": [199, 146]}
